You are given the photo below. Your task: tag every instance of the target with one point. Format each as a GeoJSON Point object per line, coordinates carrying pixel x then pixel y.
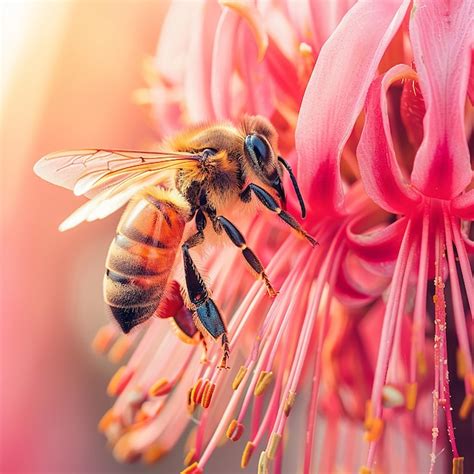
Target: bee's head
{"type": "Point", "coordinates": [264, 160]}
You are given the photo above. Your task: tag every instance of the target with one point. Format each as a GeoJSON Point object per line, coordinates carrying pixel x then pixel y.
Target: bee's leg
{"type": "Point", "coordinates": [269, 202]}
{"type": "Point", "coordinates": [207, 314]}
{"type": "Point", "coordinates": [238, 240]}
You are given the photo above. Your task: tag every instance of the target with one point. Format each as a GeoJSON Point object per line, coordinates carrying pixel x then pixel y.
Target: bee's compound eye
{"type": "Point", "coordinates": [258, 149]}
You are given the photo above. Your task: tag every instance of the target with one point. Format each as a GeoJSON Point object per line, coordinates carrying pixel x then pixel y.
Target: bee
{"type": "Point", "coordinates": [211, 169]}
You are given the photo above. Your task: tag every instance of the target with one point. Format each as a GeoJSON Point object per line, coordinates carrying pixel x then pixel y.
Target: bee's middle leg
{"type": "Point", "coordinates": [238, 240]}
{"type": "Point", "coordinates": [206, 310]}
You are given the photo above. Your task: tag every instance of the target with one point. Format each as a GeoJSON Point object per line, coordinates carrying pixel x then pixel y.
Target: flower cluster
{"type": "Point", "coordinates": [371, 102]}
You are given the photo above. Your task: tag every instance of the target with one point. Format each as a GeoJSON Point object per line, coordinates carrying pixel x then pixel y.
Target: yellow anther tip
{"type": "Point", "coordinates": [375, 430]}
{"type": "Point", "coordinates": [262, 467]}
{"type": "Point", "coordinates": [247, 454]}
{"type": "Point", "coordinates": [466, 406]}
{"type": "Point", "coordinates": [273, 444]}
{"type": "Point", "coordinates": [160, 387]}
{"type": "Point", "coordinates": [458, 465]}
{"type": "Point", "coordinates": [264, 380]}
{"type": "Point", "coordinates": [153, 454]}
{"type": "Point", "coordinates": [239, 377]}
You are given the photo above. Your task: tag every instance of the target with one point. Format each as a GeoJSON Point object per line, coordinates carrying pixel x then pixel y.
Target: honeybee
{"type": "Point", "coordinates": [213, 168]}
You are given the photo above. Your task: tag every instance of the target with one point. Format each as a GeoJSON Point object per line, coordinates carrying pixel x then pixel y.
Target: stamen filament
{"type": "Point", "coordinates": [419, 314]}
{"type": "Point", "coordinates": [386, 339]}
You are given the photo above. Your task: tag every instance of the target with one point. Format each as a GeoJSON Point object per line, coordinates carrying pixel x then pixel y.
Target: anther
{"type": "Point", "coordinates": [247, 454]}
{"type": "Point", "coordinates": [106, 420]}
{"type": "Point", "coordinates": [458, 465]}
{"type": "Point", "coordinates": [289, 402]}
{"type": "Point", "coordinates": [192, 469]}
{"type": "Point", "coordinates": [153, 454]}
{"type": "Point", "coordinates": [207, 395]}
{"type": "Point", "coordinates": [190, 457]}
{"type": "Point", "coordinates": [141, 417]}
{"type": "Point", "coordinates": [123, 451]}
{"type": "Point", "coordinates": [262, 467]}
{"type": "Point", "coordinates": [365, 470]}
{"type": "Point", "coordinates": [198, 389]}
{"type": "Point", "coordinates": [119, 349]}
{"type": "Point", "coordinates": [466, 406]}
{"type": "Point", "coordinates": [103, 339]}
{"type": "Point", "coordinates": [239, 377]}
{"type": "Point", "coordinates": [392, 397]}
{"type": "Point", "coordinates": [369, 414]}
{"type": "Point", "coordinates": [375, 430]}
{"type": "Point", "coordinates": [264, 380]}
{"type": "Point", "coordinates": [421, 364]}
{"type": "Point", "coordinates": [460, 364]}
{"type": "Point", "coordinates": [411, 394]}
{"type": "Point", "coordinates": [160, 387]}
{"type": "Point", "coordinates": [235, 430]}
{"type": "Point", "coordinates": [273, 444]}
{"type": "Point", "coordinates": [119, 381]}
{"type": "Point", "coordinates": [305, 49]}
{"type": "Point", "coordinates": [191, 404]}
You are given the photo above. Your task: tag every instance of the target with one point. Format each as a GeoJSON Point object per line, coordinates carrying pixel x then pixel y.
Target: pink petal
{"type": "Point", "coordinates": [335, 96]}
{"type": "Point", "coordinates": [356, 285]}
{"type": "Point", "coordinates": [299, 16]}
{"type": "Point", "coordinates": [463, 205]}
{"type": "Point", "coordinates": [171, 54]}
{"type": "Point", "coordinates": [381, 175]}
{"type": "Point", "coordinates": [223, 60]}
{"type": "Point", "coordinates": [470, 87]}
{"type": "Point", "coordinates": [197, 76]}
{"type": "Point", "coordinates": [441, 35]}
{"type": "Point", "coordinates": [257, 83]}
{"type": "Point", "coordinates": [254, 21]}
{"type": "Point", "coordinates": [325, 17]}
{"type": "Point", "coordinates": [380, 245]}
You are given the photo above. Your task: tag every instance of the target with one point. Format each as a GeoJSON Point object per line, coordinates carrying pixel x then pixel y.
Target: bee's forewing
{"type": "Point", "coordinates": [87, 172]}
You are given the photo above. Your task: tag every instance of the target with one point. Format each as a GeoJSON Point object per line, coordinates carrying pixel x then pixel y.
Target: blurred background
{"type": "Point", "coordinates": [68, 71]}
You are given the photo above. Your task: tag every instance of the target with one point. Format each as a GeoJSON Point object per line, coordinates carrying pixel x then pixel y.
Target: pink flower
{"type": "Point", "coordinates": [431, 203]}
{"type": "Point", "coordinates": [388, 195]}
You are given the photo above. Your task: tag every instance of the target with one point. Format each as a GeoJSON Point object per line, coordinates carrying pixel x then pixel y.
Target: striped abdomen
{"type": "Point", "coordinates": [141, 256]}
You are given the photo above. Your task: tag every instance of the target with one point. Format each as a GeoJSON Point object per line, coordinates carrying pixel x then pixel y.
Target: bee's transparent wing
{"type": "Point", "coordinates": [109, 178]}
{"type": "Point", "coordinates": [87, 172]}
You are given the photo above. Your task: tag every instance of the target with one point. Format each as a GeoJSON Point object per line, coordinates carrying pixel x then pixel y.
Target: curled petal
{"type": "Point", "coordinates": [223, 60]}
{"type": "Point", "coordinates": [259, 89]}
{"type": "Point", "coordinates": [254, 20]}
{"type": "Point", "coordinates": [441, 34]}
{"type": "Point", "coordinates": [175, 37]}
{"type": "Point", "coordinates": [379, 169]}
{"type": "Point", "coordinates": [382, 245]}
{"type": "Point", "coordinates": [463, 205]}
{"type": "Point", "coordinates": [325, 17]}
{"type": "Point", "coordinates": [357, 285]}
{"type": "Point", "coordinates": [199, 62]}
{"type": "Point", "coordinates": [470, 87]}
{"type": "Point", "coordinates": [335, 96]}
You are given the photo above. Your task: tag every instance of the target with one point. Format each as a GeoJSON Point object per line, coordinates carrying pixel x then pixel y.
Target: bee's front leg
{"type": "Point", "coordinates": [269, 202]}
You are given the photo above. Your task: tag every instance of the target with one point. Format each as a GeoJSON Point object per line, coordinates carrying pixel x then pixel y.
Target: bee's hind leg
{"type": "Point", "coordinates": [207, 314]}
{"type": "Point", "coordinates": [239, 241]}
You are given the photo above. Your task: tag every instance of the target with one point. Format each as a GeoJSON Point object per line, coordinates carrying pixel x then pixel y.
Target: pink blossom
{"type": "Point", "coordinates": [371, 104]}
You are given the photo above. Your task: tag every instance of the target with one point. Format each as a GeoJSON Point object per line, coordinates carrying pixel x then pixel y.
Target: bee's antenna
{"type": "Point", "coordinates": [295, 185]}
